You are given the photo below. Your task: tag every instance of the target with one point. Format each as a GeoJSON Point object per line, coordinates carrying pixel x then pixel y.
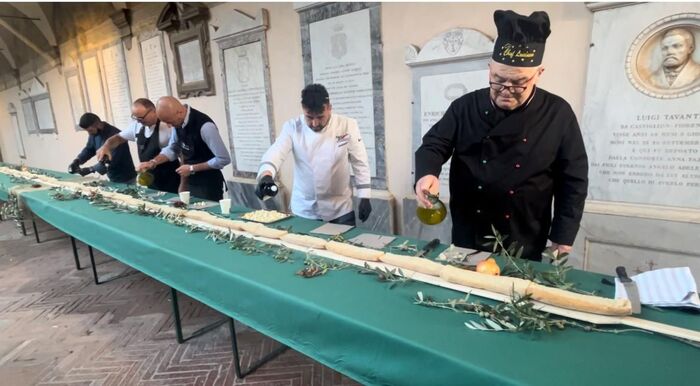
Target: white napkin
{"type": "Point", "coordinates": [666, 287]}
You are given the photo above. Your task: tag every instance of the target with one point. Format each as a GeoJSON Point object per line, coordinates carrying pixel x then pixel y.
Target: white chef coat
{"type": "Point", "coordinates": [322, 162]}
{"type": "Point", "coordinates": [134, 128]}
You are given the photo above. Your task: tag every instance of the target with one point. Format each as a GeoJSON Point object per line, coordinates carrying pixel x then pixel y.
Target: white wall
{"type": "Point", "coordinates": [402, 24]}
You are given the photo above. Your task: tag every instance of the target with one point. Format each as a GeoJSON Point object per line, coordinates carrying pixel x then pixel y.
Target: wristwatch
{"type": "Point", "coordinates": [191, 169]}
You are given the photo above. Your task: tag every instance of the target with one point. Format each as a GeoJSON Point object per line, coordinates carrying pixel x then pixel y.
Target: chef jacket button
{"type": "Point", "coordinates": [488, 137]}
{"type": "Point", "coordinates": [486, 112]}
{"type": "Point", "coordinates": [524, 139]}
{"type": "Point", "coordinates": [511, 192]}
{"type": "Point", "coordinates": [479, 187]}
{"type": "Point", "coordinates": [478, 211]}
{"type": "Point", "coordinates": [517, 166]}
{"type": "Point", "coordinates": [507, 216]}
{"type": "Point", "coordinates": [483, 161]}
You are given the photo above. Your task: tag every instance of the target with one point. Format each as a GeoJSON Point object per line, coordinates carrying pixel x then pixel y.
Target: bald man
{"type": "Point", "coordinates": [197, 139]}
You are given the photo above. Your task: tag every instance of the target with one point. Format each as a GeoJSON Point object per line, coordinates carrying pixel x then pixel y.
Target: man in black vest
{"type": "Point", "coordinates": [515, 148]}
{"type": "Point", "coordinates": [197, 139]}
{"type": "Point", "coordinates": [121, 168]}
{"type": "Point", "coordinates": [151, 135]}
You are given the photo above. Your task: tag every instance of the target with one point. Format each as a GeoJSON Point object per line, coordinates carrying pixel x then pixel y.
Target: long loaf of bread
{"type": "Point", "coordinates": [500, 284]}
{"type": "Point", "coordinates": [554, 296]}
{"type": "Point", "coordinates": [354, 251]}
{"type": "Point", "coordinates": [257, 229]}
{"type": "Point", "coordinates": [199, 215]}
{"type": "Point", "coordinates": [226, 223]}
{"type": "Point", "coordinates": [417, 264]}
{"type": "Point", "coordinates": [270, 233]}
{"type": "Point", "coordinates": [304, 241]}
{"type": "Point", "coordinates": [579, 302]}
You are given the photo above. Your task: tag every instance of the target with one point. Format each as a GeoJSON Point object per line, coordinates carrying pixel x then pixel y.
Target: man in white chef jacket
{"type": "Point", "coordinates": [325, 146]}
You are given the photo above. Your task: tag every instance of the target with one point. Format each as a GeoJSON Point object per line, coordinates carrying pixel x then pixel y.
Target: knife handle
{"type": "Point", "coordinates": [428, 247]}
{"type": "Point", "coordinates": [622, 273]}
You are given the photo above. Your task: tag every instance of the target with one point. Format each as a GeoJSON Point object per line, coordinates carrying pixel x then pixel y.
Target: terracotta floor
{"type": "Point", "coordinates": [58, 327]}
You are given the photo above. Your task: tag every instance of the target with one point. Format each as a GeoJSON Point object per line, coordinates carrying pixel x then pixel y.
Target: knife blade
{"type": "Point", "coordinates": [630, 288]}
{"type": "Point", "coordinates": [428, 247]}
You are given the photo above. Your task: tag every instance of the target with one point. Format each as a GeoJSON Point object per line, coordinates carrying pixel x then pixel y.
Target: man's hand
{"type": "Point", "coordinates": [85, 171]}
{"type": "Point", "coordinates": [266, 182]}
{"type": "Point", "coordinates": [103, 153]}
{"type": "Point", "coordinates": [428, 183]}
{"type": "Point", "coordinates": [364, 209]}
{"type": "Point", "coordinates": [143, 166]}
{"type": "Point", "coordinates": [74, 166]}
{"type": "Point", "coordinates": [558, 249]}
{"type": "Point", "coordinates": [183, 171]}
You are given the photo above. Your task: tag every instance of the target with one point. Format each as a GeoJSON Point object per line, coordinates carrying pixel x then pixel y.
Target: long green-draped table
{"type": "Point", "coordinates": [364, 328]}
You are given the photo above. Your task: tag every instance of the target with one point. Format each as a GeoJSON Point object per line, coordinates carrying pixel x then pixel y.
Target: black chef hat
{"type": "Point", "coordinates": [521, 39]}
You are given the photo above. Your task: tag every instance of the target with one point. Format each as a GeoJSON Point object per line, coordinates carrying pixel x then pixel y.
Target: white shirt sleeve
{"type": "Point", "coordinates": [164, 133]}
{"type": "Point", "coordinates": [274, 156]}
{"type": "Point", "coordinates": [130, 132]}
{"type": "Point", "coordinates": [359, 161]}
{"type": "Point", "coordinates": [173, 149]}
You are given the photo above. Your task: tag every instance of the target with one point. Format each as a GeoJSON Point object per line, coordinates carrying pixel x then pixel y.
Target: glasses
{"type": "Point", "coordinates": [513, 89]}
{"type": "Point", "coordinates": [135, 117]}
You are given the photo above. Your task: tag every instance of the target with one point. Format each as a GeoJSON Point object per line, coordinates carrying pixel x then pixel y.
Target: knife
{"type": "Point", "coordinates": [630, 288]}
{"type": "Point", "coordinates": [428, 247]}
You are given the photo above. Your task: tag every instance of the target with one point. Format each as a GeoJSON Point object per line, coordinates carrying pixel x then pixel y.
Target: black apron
{"type": "Point", "coordinates": [164, 176]}
{"type": "Point", "coordinates": [206, 184]}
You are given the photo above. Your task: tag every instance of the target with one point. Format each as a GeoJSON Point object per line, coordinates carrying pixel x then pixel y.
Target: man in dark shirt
{"type": "Point", "coordinates": [121, 167]}
{"type": "Point", "coordinates": [515, 149]}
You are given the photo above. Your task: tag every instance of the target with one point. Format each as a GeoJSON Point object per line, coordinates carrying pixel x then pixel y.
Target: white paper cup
{"type": "Point", "coordinates": [225, 205]}
{"type": "Point", "coordinates": [185, 197]}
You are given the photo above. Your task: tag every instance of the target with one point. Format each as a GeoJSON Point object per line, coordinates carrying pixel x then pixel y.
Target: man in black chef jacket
{"type": "Point", "coordinates": [515, 148]}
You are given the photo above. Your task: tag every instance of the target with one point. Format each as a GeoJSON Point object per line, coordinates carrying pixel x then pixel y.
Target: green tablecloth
{"type": "Point", "coordinates": [359, 326]}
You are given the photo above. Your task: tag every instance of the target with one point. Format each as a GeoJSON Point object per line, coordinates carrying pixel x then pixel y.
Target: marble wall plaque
{"type": "Point", "coordinates": [19, 141]}
{"type": "Point", "coordinates": [247, 104]}
{"type": "Point", "coordinates": [154, 67]}
{"type": "Point", "coordinates": [341, 56]}
{"type": "Point", "coordinates": [641, 120]}
{"type": "Point", "coordinates": [75, 93]}
{"type": "Point", "coordinates": [93, 86]}
{"type": "Point", "coordinates": [342, 49]}
{"type": "Point", "coordinates": [117, 78]}
{"type": "Point", "coordinates": [191, 61]}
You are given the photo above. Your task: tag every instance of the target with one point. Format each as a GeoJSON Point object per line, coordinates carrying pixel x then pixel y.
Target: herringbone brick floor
{"type": "Point", "coordinates": [58, 328]}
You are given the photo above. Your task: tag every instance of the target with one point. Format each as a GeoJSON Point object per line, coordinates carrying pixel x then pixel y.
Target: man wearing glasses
{"type": "Point", "coordinates": [151, 135]}
{"type": "Point", "coordinates": [515, 149]}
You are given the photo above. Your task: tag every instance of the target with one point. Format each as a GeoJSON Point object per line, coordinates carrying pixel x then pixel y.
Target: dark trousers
{"type": "Point", "coordinates": [346, 219]}
{"type": "Point", "coordinates": [207, 191]}
{"type": "Point", "coordinates": [208, 185]}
